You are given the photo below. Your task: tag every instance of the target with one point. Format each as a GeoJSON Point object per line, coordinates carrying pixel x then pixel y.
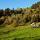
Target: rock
{"type": "Point", "coordinates": [35, 25]}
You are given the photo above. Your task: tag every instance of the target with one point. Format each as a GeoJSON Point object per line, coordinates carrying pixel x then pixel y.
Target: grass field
{"type": "Point", "coordinates": [19, 33]}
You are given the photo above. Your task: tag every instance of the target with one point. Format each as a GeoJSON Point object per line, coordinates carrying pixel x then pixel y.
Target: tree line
{"type": "Point", "coordinates": [20, 16]}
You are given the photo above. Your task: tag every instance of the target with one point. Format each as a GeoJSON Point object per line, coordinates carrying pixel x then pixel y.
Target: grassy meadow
{"type": "Point", "coordinates": [19, 33]}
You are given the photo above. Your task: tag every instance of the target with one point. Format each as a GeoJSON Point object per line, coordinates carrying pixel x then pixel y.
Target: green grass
{"type": "Point", "coordinates": [20, 33]}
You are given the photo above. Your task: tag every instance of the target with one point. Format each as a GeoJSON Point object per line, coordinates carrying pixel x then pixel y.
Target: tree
{"type": "Point", "coordinates": [12, 11]}
{"type": "Point", "coordinates": [18, 11]}
{"type": "Point", "coordinates": [1, 12]}
{"type": "Point", "coordinates": [36, 5]}
{"type": "Point", "coordinates": [7, 12]}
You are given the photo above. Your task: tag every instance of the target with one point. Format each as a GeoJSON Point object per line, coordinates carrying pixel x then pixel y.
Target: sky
{"type": "Point", "coordinates": [16, 3]}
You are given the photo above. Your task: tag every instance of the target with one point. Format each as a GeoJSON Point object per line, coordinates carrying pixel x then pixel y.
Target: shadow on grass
{"type": "Point", "coordinates": [27, 38]}
{"type": "Point", "coordinates": [2, 26]}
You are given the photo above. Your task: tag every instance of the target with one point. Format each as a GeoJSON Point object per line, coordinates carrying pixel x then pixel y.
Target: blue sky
{"type": "Point", "coordinates": [16, 3]}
